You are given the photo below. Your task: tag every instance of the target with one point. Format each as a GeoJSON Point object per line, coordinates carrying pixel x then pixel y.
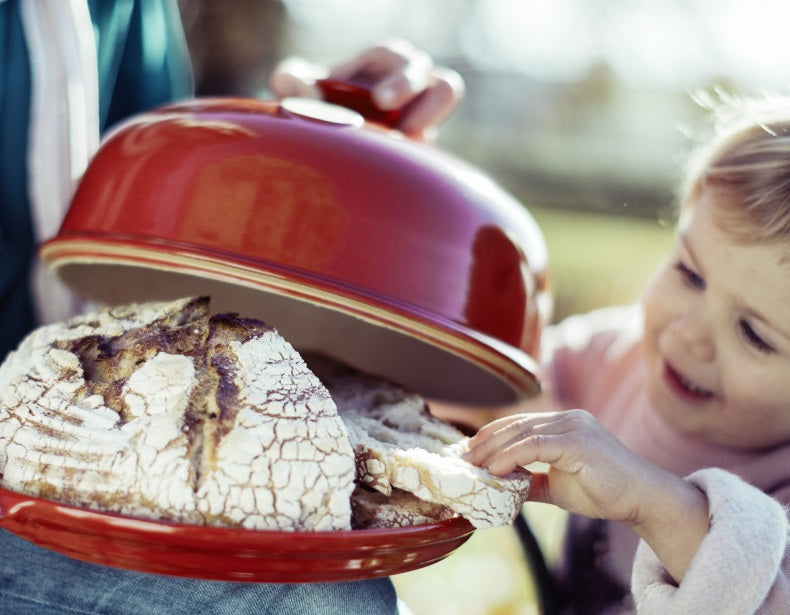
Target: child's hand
{"type": "Point", "coordinates": [399, 75]}
{"type": "Point", "coordinates": [592, 474]}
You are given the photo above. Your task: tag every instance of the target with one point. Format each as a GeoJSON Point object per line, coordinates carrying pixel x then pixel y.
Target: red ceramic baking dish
{"type": "Point", "coordinates": [225, 553]}
{"type": "Point", "coordinates": [348, 237]}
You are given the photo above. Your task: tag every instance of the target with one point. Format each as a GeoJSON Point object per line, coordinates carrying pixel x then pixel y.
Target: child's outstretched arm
{"type": "Point", "coordinates": [592, 474]}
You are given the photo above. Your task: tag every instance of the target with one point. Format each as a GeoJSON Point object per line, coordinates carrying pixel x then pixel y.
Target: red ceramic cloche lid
{"type": "Point", "coordinates": [348, 237]}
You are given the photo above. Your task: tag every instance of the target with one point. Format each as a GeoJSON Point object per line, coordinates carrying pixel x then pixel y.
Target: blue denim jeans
{"type": "Point", "coordinates": [36, 580]}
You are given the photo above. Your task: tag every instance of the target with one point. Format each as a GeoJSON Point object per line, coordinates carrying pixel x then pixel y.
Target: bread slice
{"type": "Point", "coordinates": [371, 509]}
{"type": "Point", "coordinates": [398, 444]}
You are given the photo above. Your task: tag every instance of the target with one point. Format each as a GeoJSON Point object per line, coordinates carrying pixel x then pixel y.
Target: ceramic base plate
{"type": "Point", "coordinates": [231, 554]}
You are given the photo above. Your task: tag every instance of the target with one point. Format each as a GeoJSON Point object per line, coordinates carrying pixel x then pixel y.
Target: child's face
{"type": "Point", "coordinates": [717, 335]}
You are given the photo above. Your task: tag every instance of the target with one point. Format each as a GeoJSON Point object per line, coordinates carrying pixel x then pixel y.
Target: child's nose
{"type": "Point", "coordinates": [693, 330]}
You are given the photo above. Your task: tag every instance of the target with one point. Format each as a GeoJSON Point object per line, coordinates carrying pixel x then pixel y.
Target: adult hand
{"type": "Point", "coordinates": [399, 75]}
{"type": "Point", "coordinates": [591, 473]}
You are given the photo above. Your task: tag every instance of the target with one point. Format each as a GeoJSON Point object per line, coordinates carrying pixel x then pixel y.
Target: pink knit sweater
{"type": "Point", "coordinates": [594, 362]}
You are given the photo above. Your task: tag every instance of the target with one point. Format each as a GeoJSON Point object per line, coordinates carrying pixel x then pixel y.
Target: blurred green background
{"type": "Point", "coordinates": [599, 259]}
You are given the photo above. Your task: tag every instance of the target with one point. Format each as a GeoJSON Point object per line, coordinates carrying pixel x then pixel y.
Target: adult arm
{"type": "Point", "coordinates": [143, 58]}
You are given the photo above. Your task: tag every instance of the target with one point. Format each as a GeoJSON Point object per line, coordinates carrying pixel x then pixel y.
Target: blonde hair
{"type": "Point", "coordinates": [749, 158]}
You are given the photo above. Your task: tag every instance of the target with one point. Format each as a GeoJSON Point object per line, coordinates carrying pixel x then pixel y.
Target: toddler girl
{"type": "Point", "coordinates": [666, 427]}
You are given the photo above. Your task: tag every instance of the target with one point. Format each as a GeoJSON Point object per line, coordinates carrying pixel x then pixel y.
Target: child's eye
{"type": "Point", "coordinates": [752, 338]}
{"type": "Point", "coordinates": [689, 276]}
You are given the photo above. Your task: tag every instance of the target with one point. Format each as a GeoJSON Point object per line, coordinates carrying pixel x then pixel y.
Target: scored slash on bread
{"type": "Point", "coordinates": [162, 410]}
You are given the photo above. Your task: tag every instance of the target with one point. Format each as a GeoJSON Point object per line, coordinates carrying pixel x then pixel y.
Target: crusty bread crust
{"type": "Point", "coordinates": [400, 445]}
{"type": "Point", "coordinates": [371, 509]}
{"type": "Point", "coordinates": [164, 411]}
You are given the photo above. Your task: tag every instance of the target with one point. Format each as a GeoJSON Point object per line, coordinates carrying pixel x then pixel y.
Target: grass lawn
{"type": "Point", "coordinates": [595, 260]}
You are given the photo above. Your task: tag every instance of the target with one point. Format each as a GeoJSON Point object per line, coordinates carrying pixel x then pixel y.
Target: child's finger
{"type": "Point", "coordinates": [512, 431]}
{"type": "Point", "coordinates": [545, 448]}
{"type": "Point", "coordinates": [492, 437]}
{"type": "Point", "coordinates": [487, 430]}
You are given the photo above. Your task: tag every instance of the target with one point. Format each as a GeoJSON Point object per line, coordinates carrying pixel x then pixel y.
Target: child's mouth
{"type": "Point", "coordinates": [683, 387]}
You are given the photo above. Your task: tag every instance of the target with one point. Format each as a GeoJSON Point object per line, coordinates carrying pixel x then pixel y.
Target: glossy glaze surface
{"type": "Point", "coordinates": [352, 219]}
{"type": "Point", "coordinates": [227, 553]}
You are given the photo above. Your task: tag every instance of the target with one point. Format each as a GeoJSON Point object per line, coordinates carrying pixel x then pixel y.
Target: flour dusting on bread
{"type": "Point", "coordinates": [165, 411]}
{"type": "Point", "coordinates": [399, 445]}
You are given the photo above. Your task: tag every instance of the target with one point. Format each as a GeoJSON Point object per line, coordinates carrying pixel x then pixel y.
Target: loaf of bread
{"type": "Point", "coordinates": [165, 411]}
{"type": "Point", "coordinates": [162, 411]}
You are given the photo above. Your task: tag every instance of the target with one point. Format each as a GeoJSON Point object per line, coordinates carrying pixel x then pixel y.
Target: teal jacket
{"type": "Point", "coordinates": [143, 62]}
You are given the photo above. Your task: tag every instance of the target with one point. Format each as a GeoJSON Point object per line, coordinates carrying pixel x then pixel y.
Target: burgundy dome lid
{"type": "Point", "coordinates": [349, 238]}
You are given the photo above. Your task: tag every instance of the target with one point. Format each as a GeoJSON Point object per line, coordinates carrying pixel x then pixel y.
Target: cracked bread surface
{"type": "Point", "coordinates": [165, 411]}
{"type": "Point", "coordinates": [162, 411]}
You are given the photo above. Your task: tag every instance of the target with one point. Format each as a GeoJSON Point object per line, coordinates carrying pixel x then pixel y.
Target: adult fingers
{"type": "Point", "coordinates": [396, 71]}
{"type": "Point", "coordinates": [434, 104]}
{"type": "Point", "coordinates": [401, 76]}
{"type": "Point", "coordinates": [296, 77]}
